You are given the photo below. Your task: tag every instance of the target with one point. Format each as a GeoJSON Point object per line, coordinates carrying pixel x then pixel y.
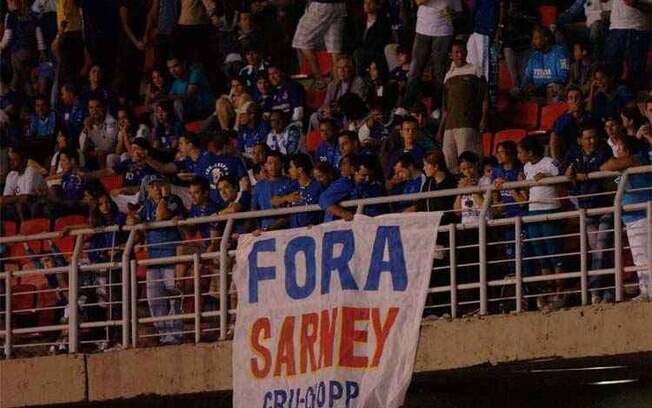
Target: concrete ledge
{"type": "Point", "coordinates": [41, 381]}
{"type": "Point", "coordinates": [173, 370]}
{"type": "Point", "coordinates": [593, 331]}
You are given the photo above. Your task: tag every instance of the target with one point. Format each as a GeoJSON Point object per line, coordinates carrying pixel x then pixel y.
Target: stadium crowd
{"type": "Point", "coordinates": [129, 111]}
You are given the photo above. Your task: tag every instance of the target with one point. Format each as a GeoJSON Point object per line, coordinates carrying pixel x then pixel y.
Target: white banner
{"type": "Point", "coordinates": [329, 316]}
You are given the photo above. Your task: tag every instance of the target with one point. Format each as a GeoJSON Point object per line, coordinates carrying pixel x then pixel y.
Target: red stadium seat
{"type": "Point", "coordinates": [35, 226]}
{"type": "Point", "coordinates": [67, 244]}
{"type": "Point", "coordinates": [111, 182]}
{"type": "Point", "coordinates": [324, 61]}
{"type": "Point", "coordinates": [487, 143]}
{"type": "Point", "coordinates": [429, 102]}
{"type": "Point", "coordinates": [515, 135]}
{"type": "Point", "coordinates": [140, 110]}
{"type": "Point", "coordinates": [141, 253]}
{"type": "Point", "coordinates": [9, 228]}
{"type": "Point", "coordinates": [193, 127]}
{"type": "Point", "coordinates": [312, 140]}
{"type": "Point", "coordinates": [315, 98]}
{"type": "Point", "coordinates": [22, 305]}
{"type": "Point", "coordinates": [548, 15]}
{"type": "Point", "coordinates": [550, 113]}
{"type": "Point", "coordinates": [505, 80]}
{"type": "Point", "coordinates": [525, 116]}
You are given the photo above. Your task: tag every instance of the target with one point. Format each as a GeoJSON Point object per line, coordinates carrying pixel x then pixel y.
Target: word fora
{"type": "Point", "coordinates": [315, 396]}
{"type": "Point", "coordinates": [387, 237]}
{"type": "Point", "coordinates": [316, 336]}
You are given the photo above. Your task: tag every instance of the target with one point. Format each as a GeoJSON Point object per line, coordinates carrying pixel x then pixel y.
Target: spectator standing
{"type": "Point", "coordinates": [43, 128]}
{"type": "Point", "coordinates": [606, 97]}
{"type": "Point", "coordinates": [287, 95]}
{"type": "Point", "coordinates": [283, 138]}
{"type": "Point", "coordinates": [327, 151]}
{"type": "Point", "coordinates": [101, 23]}
{"type": "Point", "coordinates": [68, 45]}
{"type": "Point", "coordinates": [340, 190]}
{"type": "Point", "coordinates": [131, 48]}
{"type": "Point", "coordinates": [162, 291]}
{"type": "Point", "coordinates": [274, 184]}
{"type": "Point", "coordinates": [566, 129]}
{"type": "Point", "coordinates": [251, 130]}
{"type": "Point", "coordinates": [412, 178]}
{"type": "Point", "coordinates": [303, 190]}
{"type": "Point", "coordinates": [162, 20]}
{"type": "Point", "coordinates": [437, 178]}
{"type": "Point", "coordinates": [465, 108]}
{"type": "Point", "coordinates": [374, 33]}
{"type": "Point", "coordinates": [487, 16]}
{"type": "Point", "coordinates": [71, 111]}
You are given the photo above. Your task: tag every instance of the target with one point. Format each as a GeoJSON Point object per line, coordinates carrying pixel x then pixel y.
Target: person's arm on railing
{"type": "Point", "coordinates": [619, 164]}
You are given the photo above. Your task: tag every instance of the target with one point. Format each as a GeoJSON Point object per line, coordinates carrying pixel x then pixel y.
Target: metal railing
{"type": "Point", "coordinates": [482, 267]}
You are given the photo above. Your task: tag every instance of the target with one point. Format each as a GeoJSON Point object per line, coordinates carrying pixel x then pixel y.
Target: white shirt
{"type": "Point", "coordinates": [27, 183]}
{"type": "Point", "coordinates": [104, 136]}
{"type": "Point", "coordinates": [471, 207]}
{"type": "Point", "coordinates": [624, 17]}
{"type": "Point", "coordinates": [542, 197]}
{"type": "Point", "coordinates": [434, 18]}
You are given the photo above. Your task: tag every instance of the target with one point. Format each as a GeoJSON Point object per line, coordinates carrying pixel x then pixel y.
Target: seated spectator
{"type": "Point", "coordinates": [190, 90]}
{"type": "Point", "coordinates": [162, 290]}
{"type": "Point", "coordinates": [128, 131]}
{"type": "Point", "coordinates": [262, 94]}
{"type": "Point", "coordinates": [43, 129]}
{"type": "Point", "coordinates": [629, 152]}
{"type": "Point", "coordinates": [399, 74]}
{"type": "Point", "coordinates": [579, 162]}
{"type": "Point", "coordinates": [134, 169]}
{"type": "Point", "coordinates": [255, 67]}
{"type": "Point", "coordinates": [98, 90]}
{"type": "Point", "coordinates": [375, 129]}
{"type": "Point", "coordinates": [381, 92]}
{"type": "Point", "coordinates": [63, 142]}
{"type": "Point", "coordinates": [345, 82]}
{"type": "Point", "coordinates": [72, 110]}
{"type": "Point", "coordinates": [340, 190]}
{"type": "Point", "coordinates": [409, 128]}
{"type": "Point", "coordinates": [168, 129]}
{"type": "Point", "coordinates": [283, 137]}
{"type": "Point", "coordinates": [645, 131]}
{"type": "Point", "coordinates": [258, 156]}
{"type": "Point", "coordinates": [613, 128]}
{"type": "Point", "coordinates": [22, 187]}
{"type": "Point", "coordinates": [234, 200]}
{"type": "Point", "coordinates": [98, 139]}
{"type": "Point", "coordinates": [632, 120]}
{"type": "Point", "coordinates": [272, 185]}
{"type": "Point", "coordinates": [543, 200]}
{"type": "Point", "coordinates": [66, 196]}
{"type": "Point", "coordinates": [464, 109]}
{"type": "Point", "coordinates": [325, 174]}
{"type": "Point", "coordinates": [328, 150]}
{"type": "Point", "coordinates": [582, 67]}
{"type": "Point", "coordinates": [303, 190]}
{"type": "Point", "coordinates": [546, 71]}
{"type": "Point", "coordinates": [428, 127]}
{"type": "Point", "coordinates": [348, 144]}
{"type": "Point", "coordinates": [287, 95]}
{"type": "Point", "coordinates": [508, 169]}
{"type": "Point", "coordinates": [368, 179]}
{"type": "Point", "coordinates": [566, 129]}
{"type": "Point", "coordinates": [251, 129]}
{"type": "Point", "coordinates": [437, 178]}
{"type": "Point", "coordinates": [157, 88]}
{"type": "Point", "coordinates": [412, 180]}
{"type": "Point", "coordinates": [606, 98]}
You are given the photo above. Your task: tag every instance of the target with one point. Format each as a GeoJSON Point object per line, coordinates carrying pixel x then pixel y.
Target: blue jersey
{"type": "Point", "coordinates": [307, 195]}
{"type": "Point", "coordinates": [134, 173]}
{"type": "Point", "coordinates": [286, 97]}
{"type": "Point", "coordinates": [158, 236]}
{"type": "Point", "coordinates": [416, 152]}
{"type": "Point", "coordinates": [548, 67]}
{"type": "Point", "coordinates": [167, 136]}
{"type": "Point", "coordinates": [568, 129]}
{"type": "Point", "coordinates": [640, 182]}
{"type": "Point", "coordinates": [210, 208]}
{"type": "Point", "coordinates": [485, 17]}
{"type": "Point", "coordinates": [43, 128]}
{"type": "Point", "coordinates": [370, 190]}
{"type": "Point", "coordinates": [340, 190]}
{"type": "Point", "coordinates": [212, 167]}
{"type": "Point", "coordinates": [72, 187]}
{"type": "Point", "coordinates": [328, 153]}
{"type": "Point", "coordinates": [500, 172]}
{"type": "Point", "coordinates": [248, 137]}
{"type": "Point", "coordinates": [410, 187]}
{"type": "Point", "coordinates": [262, 195]}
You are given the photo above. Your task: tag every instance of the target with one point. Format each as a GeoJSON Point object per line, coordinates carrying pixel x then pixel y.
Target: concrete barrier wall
{"type": "Point", "coordinates": [594, 331]}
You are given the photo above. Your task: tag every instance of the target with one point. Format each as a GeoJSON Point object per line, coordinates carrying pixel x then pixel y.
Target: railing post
{"type": "Point", "coordinates": [73, 296]}
{"type": "Point", "coordinates": [618, 236]}
{"type": "Point", "coordinates": [482, 250]}
{"type": "Point", "coordinates": [583, 258]}
{"type": "Point", "coordinates": [224, 290]}
{"type": "Point", "coordinates": [134, 302]}
{"type": "Point", "coordinates": [453, 268]}
{"type": "Point", "coordinates": [126, 291]}
{"type": "Point", "coordinates": [518, 266]}
{"type": "Point", "coordinates": [197, 295]}
{"type": "Point", "coordinates": [8, 295]}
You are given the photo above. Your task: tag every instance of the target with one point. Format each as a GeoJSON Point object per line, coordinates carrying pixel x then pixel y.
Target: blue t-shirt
{"type": "Point", "coordinates": [210, 208]}
{"type": "Point", "coordinates": [43, 128]}
{"type": "Point", "coordinates": [370, 190]}
{"type": "Point", "coordinates": [202, 100]}
{"type": "Point", "coordinates": [500, 172]}
{"type": "Point", "coordinates": [485, 17]}
{"type": "Point", "coordinates": [410, 187]}
{"type": "Point", "coordinates": [147, 213]}
{"type": "Point", "coordinates": [73, 118]}
{"type": "Point", "coordinates": [286, 97]}
{"type": "Point", "coordinates": [107, 240]}
{"type": "Point", "coordinates": [134, 173]}
{"type": "Point", "coordinates": [212, 167]}
{"type": "Point", "coordinates": [328, 153]}
{"type": "Point", "coordinates": [583, 163]}
{"type": "Point", "coordinates": [72, 187]}
{"type": "Point", "coordinates": [605, 106]}
{"type": "Point", "coordinates": [248, 137]}
{"type": "Point", "coordinates": [568, 129]}
{"type": "Point", "coordinates": [265, 102]}
{"type": "Point", "coordinates": [168, 135]}
{"type": "Point", "coordinates": [638, 181]}
{"type": "Point", "coordinates": [340, 190]}
{"type": "Point", "coordinates": [545, 68]}
{"type": "Point", "coordinates": [307, 195]}
{"type": "Point", "coordinates": [416, 152]}
{"type": "Point", "coordinates": [262, 195]}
